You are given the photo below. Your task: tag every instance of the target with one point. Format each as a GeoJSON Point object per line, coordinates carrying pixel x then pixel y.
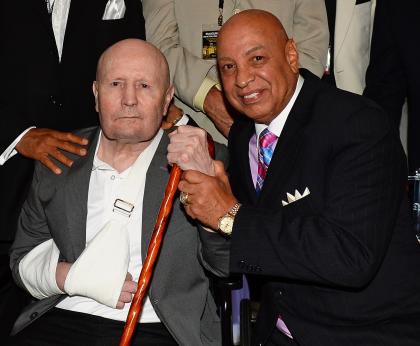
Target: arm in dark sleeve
{"type": "Point", "coordinates": [214, 248]}
{"type": "Point", "coordinates": [385, 77]}
{"type": "Point", "coordinates": [32, 228]}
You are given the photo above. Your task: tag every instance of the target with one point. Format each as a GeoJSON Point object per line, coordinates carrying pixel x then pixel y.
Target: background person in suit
{"type": "Point", "coordinates": [317, 209]}
{"type": "Point", "coordinates": [177, 27]}
{"type": "Point", "coordinates": [65, 212]}
{"type": "Point", "coordinates": [393, 74]}
{"type": "Point", "coordinates": [48, 57]}
{"type": "Point", "coordinates": [350, 24]}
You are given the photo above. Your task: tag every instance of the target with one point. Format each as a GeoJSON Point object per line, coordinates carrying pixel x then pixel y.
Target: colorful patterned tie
{"type": "Point", "coordinates": [267, 141]}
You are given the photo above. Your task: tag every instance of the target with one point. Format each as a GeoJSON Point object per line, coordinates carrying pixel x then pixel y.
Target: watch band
{"type": "Point", "coordinates": [234, 210]}
{"type": "Point", "coordinates": [225, 224]}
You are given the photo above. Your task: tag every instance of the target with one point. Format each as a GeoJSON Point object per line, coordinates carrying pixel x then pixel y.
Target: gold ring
{"type": "Point", "coordinates": [183, 198]}
{"type": "Point", "coordinates": [174, 122]}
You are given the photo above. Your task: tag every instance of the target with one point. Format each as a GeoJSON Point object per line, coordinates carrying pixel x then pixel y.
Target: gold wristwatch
{"type": "Point", "coordinates": [226, 221]}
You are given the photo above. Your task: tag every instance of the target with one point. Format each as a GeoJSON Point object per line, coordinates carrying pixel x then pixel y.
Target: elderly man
{"type": "Point", "coordinates": [80, 244]}
{"type": "Point", "coordinates": [315, 203]}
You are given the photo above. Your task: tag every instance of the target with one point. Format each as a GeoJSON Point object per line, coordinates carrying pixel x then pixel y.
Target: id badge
{"type": "Point", "coordinates": [209, 35]}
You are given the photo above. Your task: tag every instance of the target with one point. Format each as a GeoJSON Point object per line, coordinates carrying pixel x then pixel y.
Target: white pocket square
{"type": "Point", "coordinates": [293, 198]}
{"type": "Point", "coordinates": [114, 9]}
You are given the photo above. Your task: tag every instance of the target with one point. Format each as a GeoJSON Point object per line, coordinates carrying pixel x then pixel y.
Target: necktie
{"type": "Point", "coordinates": [267, 142]}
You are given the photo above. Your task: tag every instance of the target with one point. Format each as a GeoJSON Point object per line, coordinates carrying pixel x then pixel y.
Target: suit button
{"type": "Point", "coordinates": [241, 264]}
{"type": "Point", "coordinates": [280, 293]}
{"type": "Point", "coordinates": [33, 315]}
{"type": "Point", "coordinates": [155, 301]}
{"type": "Point", "coordinates": [53, 100]}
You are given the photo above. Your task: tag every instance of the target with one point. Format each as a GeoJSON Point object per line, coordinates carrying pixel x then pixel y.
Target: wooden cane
{"type": "Point", "coordinates": [153, 251]}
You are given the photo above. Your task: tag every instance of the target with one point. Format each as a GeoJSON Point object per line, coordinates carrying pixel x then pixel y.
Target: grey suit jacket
{"type": "Point", "coordinates": [57, 207]}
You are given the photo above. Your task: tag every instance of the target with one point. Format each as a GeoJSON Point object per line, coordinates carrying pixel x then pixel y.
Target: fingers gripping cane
{"type": "Point", "coordinates": [153, 250]}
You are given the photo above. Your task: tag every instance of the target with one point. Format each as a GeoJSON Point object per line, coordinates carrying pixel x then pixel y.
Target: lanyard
{"type": "Point", "coordinates": [221, 5]}
{"type": "Point", "coordinates": [220, 19]}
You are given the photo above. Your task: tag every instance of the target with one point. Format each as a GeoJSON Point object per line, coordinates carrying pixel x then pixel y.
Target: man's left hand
{"type": "Point", "coordinates": [174, 114]}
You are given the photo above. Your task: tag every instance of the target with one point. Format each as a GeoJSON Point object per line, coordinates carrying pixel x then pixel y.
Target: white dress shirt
{"type": "Point", "coordinates": [276, 127]}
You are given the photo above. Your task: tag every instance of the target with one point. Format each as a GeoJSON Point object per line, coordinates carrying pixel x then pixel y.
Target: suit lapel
{"type": "Point", "coordinates": [241, 154]}
{"type": "Point", "coordinates": [76, 196]}
{"type": "Point", "coordinates": [41, 11]}
{"type": "Point", "coordinates": [372, 17]}
{"type": "Point", "coordinates": [154, 191]}
{"type": "Point", "coordinates": [81, 21]}
{"type": "Point", "coordinates": [290, 141]}
{"type": "Point", "coordinates": [343, 18]}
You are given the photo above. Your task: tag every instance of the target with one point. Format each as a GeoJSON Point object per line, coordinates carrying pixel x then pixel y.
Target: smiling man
{"type": "Point", "coordinates": [314, 204]}
{"type": "Point", "coordinates": [83, 235]}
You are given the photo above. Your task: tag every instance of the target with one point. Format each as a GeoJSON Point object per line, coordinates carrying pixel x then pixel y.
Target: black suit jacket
{"type": "Point", "coordinates": [42, 91]}
{"type": "Point", "coordinates": [393, 72]}
{"type": "Point", "coordinates": [340, 265]}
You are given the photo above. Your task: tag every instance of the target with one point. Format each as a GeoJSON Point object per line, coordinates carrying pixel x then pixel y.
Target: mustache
{"type": "Point", "coordinates": [128, 113]}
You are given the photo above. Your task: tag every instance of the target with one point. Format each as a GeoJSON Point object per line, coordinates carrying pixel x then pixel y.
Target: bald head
{"type": "Point", "coordinates": [132, 91]}
{"type": "Point", "coordinates": [259, 20]}
{"type": "Point", "coordinates": [133, 49]}
{"type": "Point", "coordinates": [258, 64]}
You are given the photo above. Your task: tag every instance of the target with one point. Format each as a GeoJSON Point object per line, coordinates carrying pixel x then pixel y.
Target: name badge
{"type": "Point", "coordinates": [209, 38]}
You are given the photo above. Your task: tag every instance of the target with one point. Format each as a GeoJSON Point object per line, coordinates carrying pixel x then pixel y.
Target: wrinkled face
{"type": "Point", "coordinates": [131, 96]}
{"type": "Point", "coordinates": [258, 70]}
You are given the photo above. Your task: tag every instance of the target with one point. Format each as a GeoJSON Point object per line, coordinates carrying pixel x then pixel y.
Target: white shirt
{"type": "Point", "coordinates": [103, 190]}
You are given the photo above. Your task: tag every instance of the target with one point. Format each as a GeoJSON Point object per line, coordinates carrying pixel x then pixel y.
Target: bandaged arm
{"type": "Point", "coordinates": [98, 273]}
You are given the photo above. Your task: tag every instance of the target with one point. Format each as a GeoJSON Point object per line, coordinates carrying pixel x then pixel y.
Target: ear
{"type": "Point", "coordinates": [95, 94]}
{"type": "Point", "coordinates": [292, 55]}
{"type": "Point", "coordinates": [168, 98]}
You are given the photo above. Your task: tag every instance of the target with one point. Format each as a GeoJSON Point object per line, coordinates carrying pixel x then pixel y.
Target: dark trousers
{"type": "Point", "coordinates": [12, 299]}
{"type": "Point", "coordinates": [60, 327]}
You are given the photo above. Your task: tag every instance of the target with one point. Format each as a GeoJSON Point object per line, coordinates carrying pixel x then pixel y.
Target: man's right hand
{"type": "Point", "coordinates": [127, 291]}
{"type": "Point", "coordinates": [219, 111]}
{"type": "Point", "coordinates": [45, 144]}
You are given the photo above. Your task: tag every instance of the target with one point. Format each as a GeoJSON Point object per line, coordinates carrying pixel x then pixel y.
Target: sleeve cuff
{"type": "Point", "coordinates": [11, 151]}
{"type": "Point", "coordinates": [37, 270]}
{"type": "Point", "coordinates": [208, 83]}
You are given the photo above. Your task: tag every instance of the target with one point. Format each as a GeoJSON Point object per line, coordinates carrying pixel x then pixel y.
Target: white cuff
{"type": "Point", "coordinates": [99, 272]}
{"type": "Point", "coordinates": [200, 96]}
{"type": "Point", "coordinates": [37, 270]}
{"type": "Point", "coordinates": [11, 151]}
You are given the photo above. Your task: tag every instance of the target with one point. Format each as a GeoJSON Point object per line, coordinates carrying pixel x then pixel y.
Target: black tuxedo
{"type": "Point", "coordinates": [340, 265]}
{"type": "Point", "coordinates": [393, 72]}
{"type": "Point", "coordinates": [39, 90]}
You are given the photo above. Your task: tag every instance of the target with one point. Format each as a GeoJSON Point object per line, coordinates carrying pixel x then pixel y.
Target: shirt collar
{"type": "Point", "coordinates": [97, 162]}
{"type": "Point", "coordinates": [277, 124]}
